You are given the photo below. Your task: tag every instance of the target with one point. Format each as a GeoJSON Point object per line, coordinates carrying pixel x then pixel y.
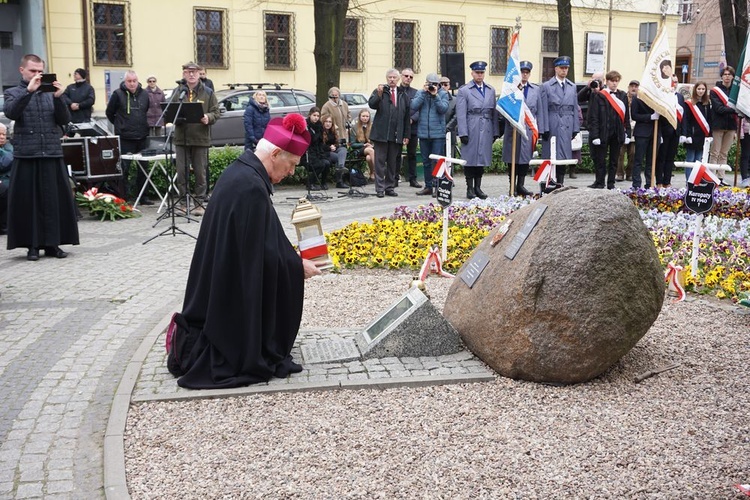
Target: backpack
{"type": "Point", "coordinates": [357, 178]}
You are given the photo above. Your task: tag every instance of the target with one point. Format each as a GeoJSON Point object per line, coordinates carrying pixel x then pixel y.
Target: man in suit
{"type": "Point", "coordinates": [625, 170]}
{"type": "Point", "coordinates": [390, 131]}
{"type": "Point", "coordinates": [643, 132]}
{"type": "Point", "coordinates": [609, 127]}
{"type": "Point", "coordinates": [560, 99]}
{"type": "Point", "coordinates": [670, 139]}
{"type": "Point", "coordinates": [478, 127]}
{"type": "Point", "coordinates": [532, 96]}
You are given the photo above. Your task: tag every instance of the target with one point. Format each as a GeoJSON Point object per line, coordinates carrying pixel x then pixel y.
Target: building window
{"type": "Point", "coordinates": [700, 54]}
{"type": "Point", "coordinates": [550, 40]}
{"type": "Point", "coordinates": [406, 45]}
{"type": "Point", "coordinates": [6, 39]}
{"type": "Point", "coordinates": [686, 9]}
{"type": "Point", "coordinates": [111, 33]}
{"type": "Point", "coordinates": [279, 48]}
{"type": "Point", "coordinates": [646, 35]}
{"type": "Point", "coordinates": [450, 38]}
{"type": "Point", "coordinates": [209, 38]}
{"type": "Point", "coordinates": [499, 40]}
{"type": "Point", "coordinates": [352, 46]}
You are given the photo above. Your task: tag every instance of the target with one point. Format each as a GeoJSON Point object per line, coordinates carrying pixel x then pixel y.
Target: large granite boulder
{"type": "Point", "coordinates": [582, 290]}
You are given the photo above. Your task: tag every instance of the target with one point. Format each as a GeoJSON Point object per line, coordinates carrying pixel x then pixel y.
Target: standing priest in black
{"type": "Point", "coordinates": [244, 295]}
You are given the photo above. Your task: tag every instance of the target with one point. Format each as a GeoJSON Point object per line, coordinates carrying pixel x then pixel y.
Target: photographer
{"type": "Point", "coordinates": [587, 93]}
{"type": "Point", "coordinates": [431, 103]}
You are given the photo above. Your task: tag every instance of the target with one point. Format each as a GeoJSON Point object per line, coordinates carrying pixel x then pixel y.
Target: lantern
{"type": "Point", "coordinates": [312, 242]}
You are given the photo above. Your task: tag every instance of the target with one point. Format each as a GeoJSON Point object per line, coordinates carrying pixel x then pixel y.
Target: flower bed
{"type": "Point", "coordinates": [105, 205]}
{"type": "Point", "coordinates": [403, 239]}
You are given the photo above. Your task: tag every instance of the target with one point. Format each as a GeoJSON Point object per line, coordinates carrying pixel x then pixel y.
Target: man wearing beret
{"type": "Point", "coordinates": [560, 99]}
{"type": "Point", "coordinates": [532, 96]}
{"type": "Point", "coordinates": [478, 127]}
{"type": "Point", "coordinates": [244, 294]}
{"type": "Point", "coordinates": [192, 140]}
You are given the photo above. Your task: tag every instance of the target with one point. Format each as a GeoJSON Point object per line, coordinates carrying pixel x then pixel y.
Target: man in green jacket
{"type": "Point", "coordinates": [192, 140]}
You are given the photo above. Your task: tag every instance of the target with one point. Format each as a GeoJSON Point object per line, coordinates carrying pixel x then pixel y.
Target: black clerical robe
{"type": "Point", "coordinates": [245, 289]}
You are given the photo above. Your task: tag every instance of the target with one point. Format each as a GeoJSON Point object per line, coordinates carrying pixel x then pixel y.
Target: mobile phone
{"type": "Point", "coordinates": [47, 80]}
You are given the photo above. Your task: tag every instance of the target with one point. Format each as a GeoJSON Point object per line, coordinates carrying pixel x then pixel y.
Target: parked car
{"type": "Point", "coordinates": [357, 102]}
{"type": "Point", "coordinates": [230, 129]}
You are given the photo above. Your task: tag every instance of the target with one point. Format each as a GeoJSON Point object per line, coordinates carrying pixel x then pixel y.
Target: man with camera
{"type": "Point", "coordinates": [431, 103]}
{"type": "Point", "coordinates": [39, 222]}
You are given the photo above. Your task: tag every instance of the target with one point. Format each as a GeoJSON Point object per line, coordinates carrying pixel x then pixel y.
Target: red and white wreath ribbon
{"type": "Point", "coordinates": [671, 278]}
{"type": "Point", "coordinates": [432, 264]}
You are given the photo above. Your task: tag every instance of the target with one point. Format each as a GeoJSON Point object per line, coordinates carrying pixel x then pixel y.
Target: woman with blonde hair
{"type": "Point", "coordinates": [360, 140]}
{"type": "Point", "coordinates": [336, 146]}
{"type": "Point", "coordinates": [257, 115]}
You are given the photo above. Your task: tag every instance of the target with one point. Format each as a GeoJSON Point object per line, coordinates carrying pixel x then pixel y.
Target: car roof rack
{"type": "Point", "coordinates": [256, 86]}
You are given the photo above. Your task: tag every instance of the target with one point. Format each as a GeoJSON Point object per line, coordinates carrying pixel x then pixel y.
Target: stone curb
{"type": "Point", "coordinates": [115, 483]}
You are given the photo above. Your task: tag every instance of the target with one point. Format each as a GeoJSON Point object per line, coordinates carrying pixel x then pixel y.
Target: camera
{"type": "Point", "coordinates": [431, 87]}
{"type": "Point", "coordinates": [342, 142]}
{"type": "Point", "coordinates": [595, 84]}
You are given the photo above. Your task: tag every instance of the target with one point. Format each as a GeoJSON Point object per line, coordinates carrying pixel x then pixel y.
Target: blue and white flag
{"type": "Point", "coordinates": [510, 103]}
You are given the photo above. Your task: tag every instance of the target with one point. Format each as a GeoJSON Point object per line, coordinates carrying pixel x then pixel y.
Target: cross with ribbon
{"type": "Point", "coordinates": [671, 277]}
{"type": "Point", "coordinates": [547, 173]}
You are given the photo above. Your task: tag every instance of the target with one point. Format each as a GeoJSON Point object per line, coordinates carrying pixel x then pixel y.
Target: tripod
{"type": "Point", "coordinates": [170, 212]}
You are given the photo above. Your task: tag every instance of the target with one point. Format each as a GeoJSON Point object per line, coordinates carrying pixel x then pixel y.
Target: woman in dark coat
{"type": "Point", "coordinates": [317, 157]}
{"type": "Point", "coordinates": [257, 116]}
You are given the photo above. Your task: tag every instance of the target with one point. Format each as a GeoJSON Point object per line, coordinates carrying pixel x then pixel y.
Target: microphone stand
{"type": "Point", "coordinates": [171, 183]}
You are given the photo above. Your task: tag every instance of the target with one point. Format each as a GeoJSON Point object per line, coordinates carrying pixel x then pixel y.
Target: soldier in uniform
{"type": "Point", "coordinates": [478, 127]}
{"type": "Point", "coordinates": [532, 95]}
{"type": "Point", "coordinates": [560, 99]}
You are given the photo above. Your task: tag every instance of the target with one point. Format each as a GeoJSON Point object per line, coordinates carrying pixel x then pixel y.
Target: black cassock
{"type": "Point", "coordinates": [245, 289]}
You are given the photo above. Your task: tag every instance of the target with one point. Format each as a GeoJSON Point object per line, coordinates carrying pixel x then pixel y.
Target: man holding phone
{"type": "Point", "coordinates": [47, 221]}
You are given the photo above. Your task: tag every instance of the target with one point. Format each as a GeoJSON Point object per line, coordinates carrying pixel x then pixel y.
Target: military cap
{"type": "Point", "coordinates": [526, 65]}
{"type": "Point", "coordinates": [562, 61]}
{"type": "Point", "coordinates": [478, 66]}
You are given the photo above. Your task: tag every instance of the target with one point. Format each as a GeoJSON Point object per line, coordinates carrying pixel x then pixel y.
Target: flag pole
{"type": "Point", "coordinates": [513, 165]}
{"type": "Point", "coordinates": [738, 151]}
{"type": "Point", "coordinates": [653, 154]}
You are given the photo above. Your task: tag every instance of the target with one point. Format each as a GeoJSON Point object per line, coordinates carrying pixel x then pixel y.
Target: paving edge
{"type": "Point", "coordinates": [115, 479]}
{"type": "Point", "coordinates": [115, 482]}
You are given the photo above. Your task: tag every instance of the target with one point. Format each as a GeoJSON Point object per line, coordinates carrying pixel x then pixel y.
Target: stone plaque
{"type": "Point", "coordinates": [525, 231]}
{"type": "Point", "coordinates": [326, 351]}
{"type": "Point", "coordinates": [474, 268]}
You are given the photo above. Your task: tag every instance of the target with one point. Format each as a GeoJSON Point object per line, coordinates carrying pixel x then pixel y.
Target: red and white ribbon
{"type": "Point", "coordinates": [671, 278]}
{"type": "Point", "coordinates": [703, 173]}
{"type": "Point", "coordinates": [441, 170]}
{"type": "Point", "coordinates": [616, 104]}
{"type": "Point", "coordinates": [432, 264]}
{"type": "Point", "coordinates": [545, 173]}
{"type": "Point", "coordinates": [702, 122]}
{"type": "Point", "coordinates": [721, 95]}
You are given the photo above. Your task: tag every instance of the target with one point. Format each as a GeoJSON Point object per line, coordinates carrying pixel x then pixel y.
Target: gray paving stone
{"type": "Point", "coordinates": [59, 486]}
{"type": "Point", "coordinates": [29, 490]}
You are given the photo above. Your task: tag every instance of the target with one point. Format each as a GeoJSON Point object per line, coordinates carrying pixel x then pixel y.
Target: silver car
{"type": "Point", "coordinates": [357, 102]}
{"type": "Point", "coordinates": [230, 128]}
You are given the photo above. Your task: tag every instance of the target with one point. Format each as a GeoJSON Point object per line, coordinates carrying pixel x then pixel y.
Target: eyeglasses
{"type": "Point", "coordinates": [151, 81]}
{"type": "Point", "coordinates": [407, 76]}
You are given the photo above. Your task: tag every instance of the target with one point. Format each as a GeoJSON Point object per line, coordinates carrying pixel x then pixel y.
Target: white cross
{"type": "Point", "coordinates": [704, 160]}
{"type": "Point", "coordinates": [553, 159]}
{"type": "Point", "coordinates": [449, 161]}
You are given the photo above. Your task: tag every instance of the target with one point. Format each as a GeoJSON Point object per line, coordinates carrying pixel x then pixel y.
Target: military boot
{"type": "Point", "coordinates": [478, 188]}
{"type": "Point", "coordinates": [470, 193]}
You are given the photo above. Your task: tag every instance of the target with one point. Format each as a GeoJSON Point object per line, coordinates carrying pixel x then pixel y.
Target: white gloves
{"type": "Point", "coordinates": [655, 116]}
{"type": "Point", "coordinates": [688, 140]}
{"type": "Point", "coordinates": [627, 140]}
{"type": "Point", "coordinates": [596, 142]}
{"type": "Point", "coordinates": [683, 139]}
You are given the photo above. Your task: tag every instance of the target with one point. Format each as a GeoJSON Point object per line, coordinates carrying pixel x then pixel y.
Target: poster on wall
{"type": "Point", "coordinates": [594, 52]}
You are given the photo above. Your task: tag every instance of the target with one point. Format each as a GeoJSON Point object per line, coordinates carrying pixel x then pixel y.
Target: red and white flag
{"type": "Point", "coordinates": [546, 173]}
{"type": "Point", "coordinates": [441, 170]}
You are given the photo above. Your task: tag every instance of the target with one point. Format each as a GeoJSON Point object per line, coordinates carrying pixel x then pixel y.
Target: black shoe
{"type": "Point", "coordinates": [596, 186]}
{"type": "Point", "coordinates": [146, 201]}
{"type": "Point", "coordinates": [480, 194]}
{"type": "Point", "coordinates": [610, 186]}
{"type": "Point", "coordinates": [32, 254]}
{"type": "Point", "coordinates": [324, 186]}
{"type": "Point", "coordinates": [380, 194]}
{"type": "Point", "coordinates": [415, 184]}
{"type": "Point", "coordinates": [424, 191]}
{"type": "Point", "coordinates": [56, 252]}
{"type": "Point", "coordinates": [390, 192]}
{"type": "Point", "coordinates": [342, 185]}
{"type": "Point", "coordinates": [522, 191]}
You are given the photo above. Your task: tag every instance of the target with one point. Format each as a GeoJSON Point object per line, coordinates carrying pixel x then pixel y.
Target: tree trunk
{"type": "Point", "coordinates": [330, 16]}
{"type": "Point", "coordinates": [734, 25]}
{"type": "Point", "coordinates": [565, 35]}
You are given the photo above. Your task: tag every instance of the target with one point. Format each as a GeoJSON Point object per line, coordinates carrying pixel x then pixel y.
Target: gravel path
{"type": "Point", "coordinates": [680, 434]}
